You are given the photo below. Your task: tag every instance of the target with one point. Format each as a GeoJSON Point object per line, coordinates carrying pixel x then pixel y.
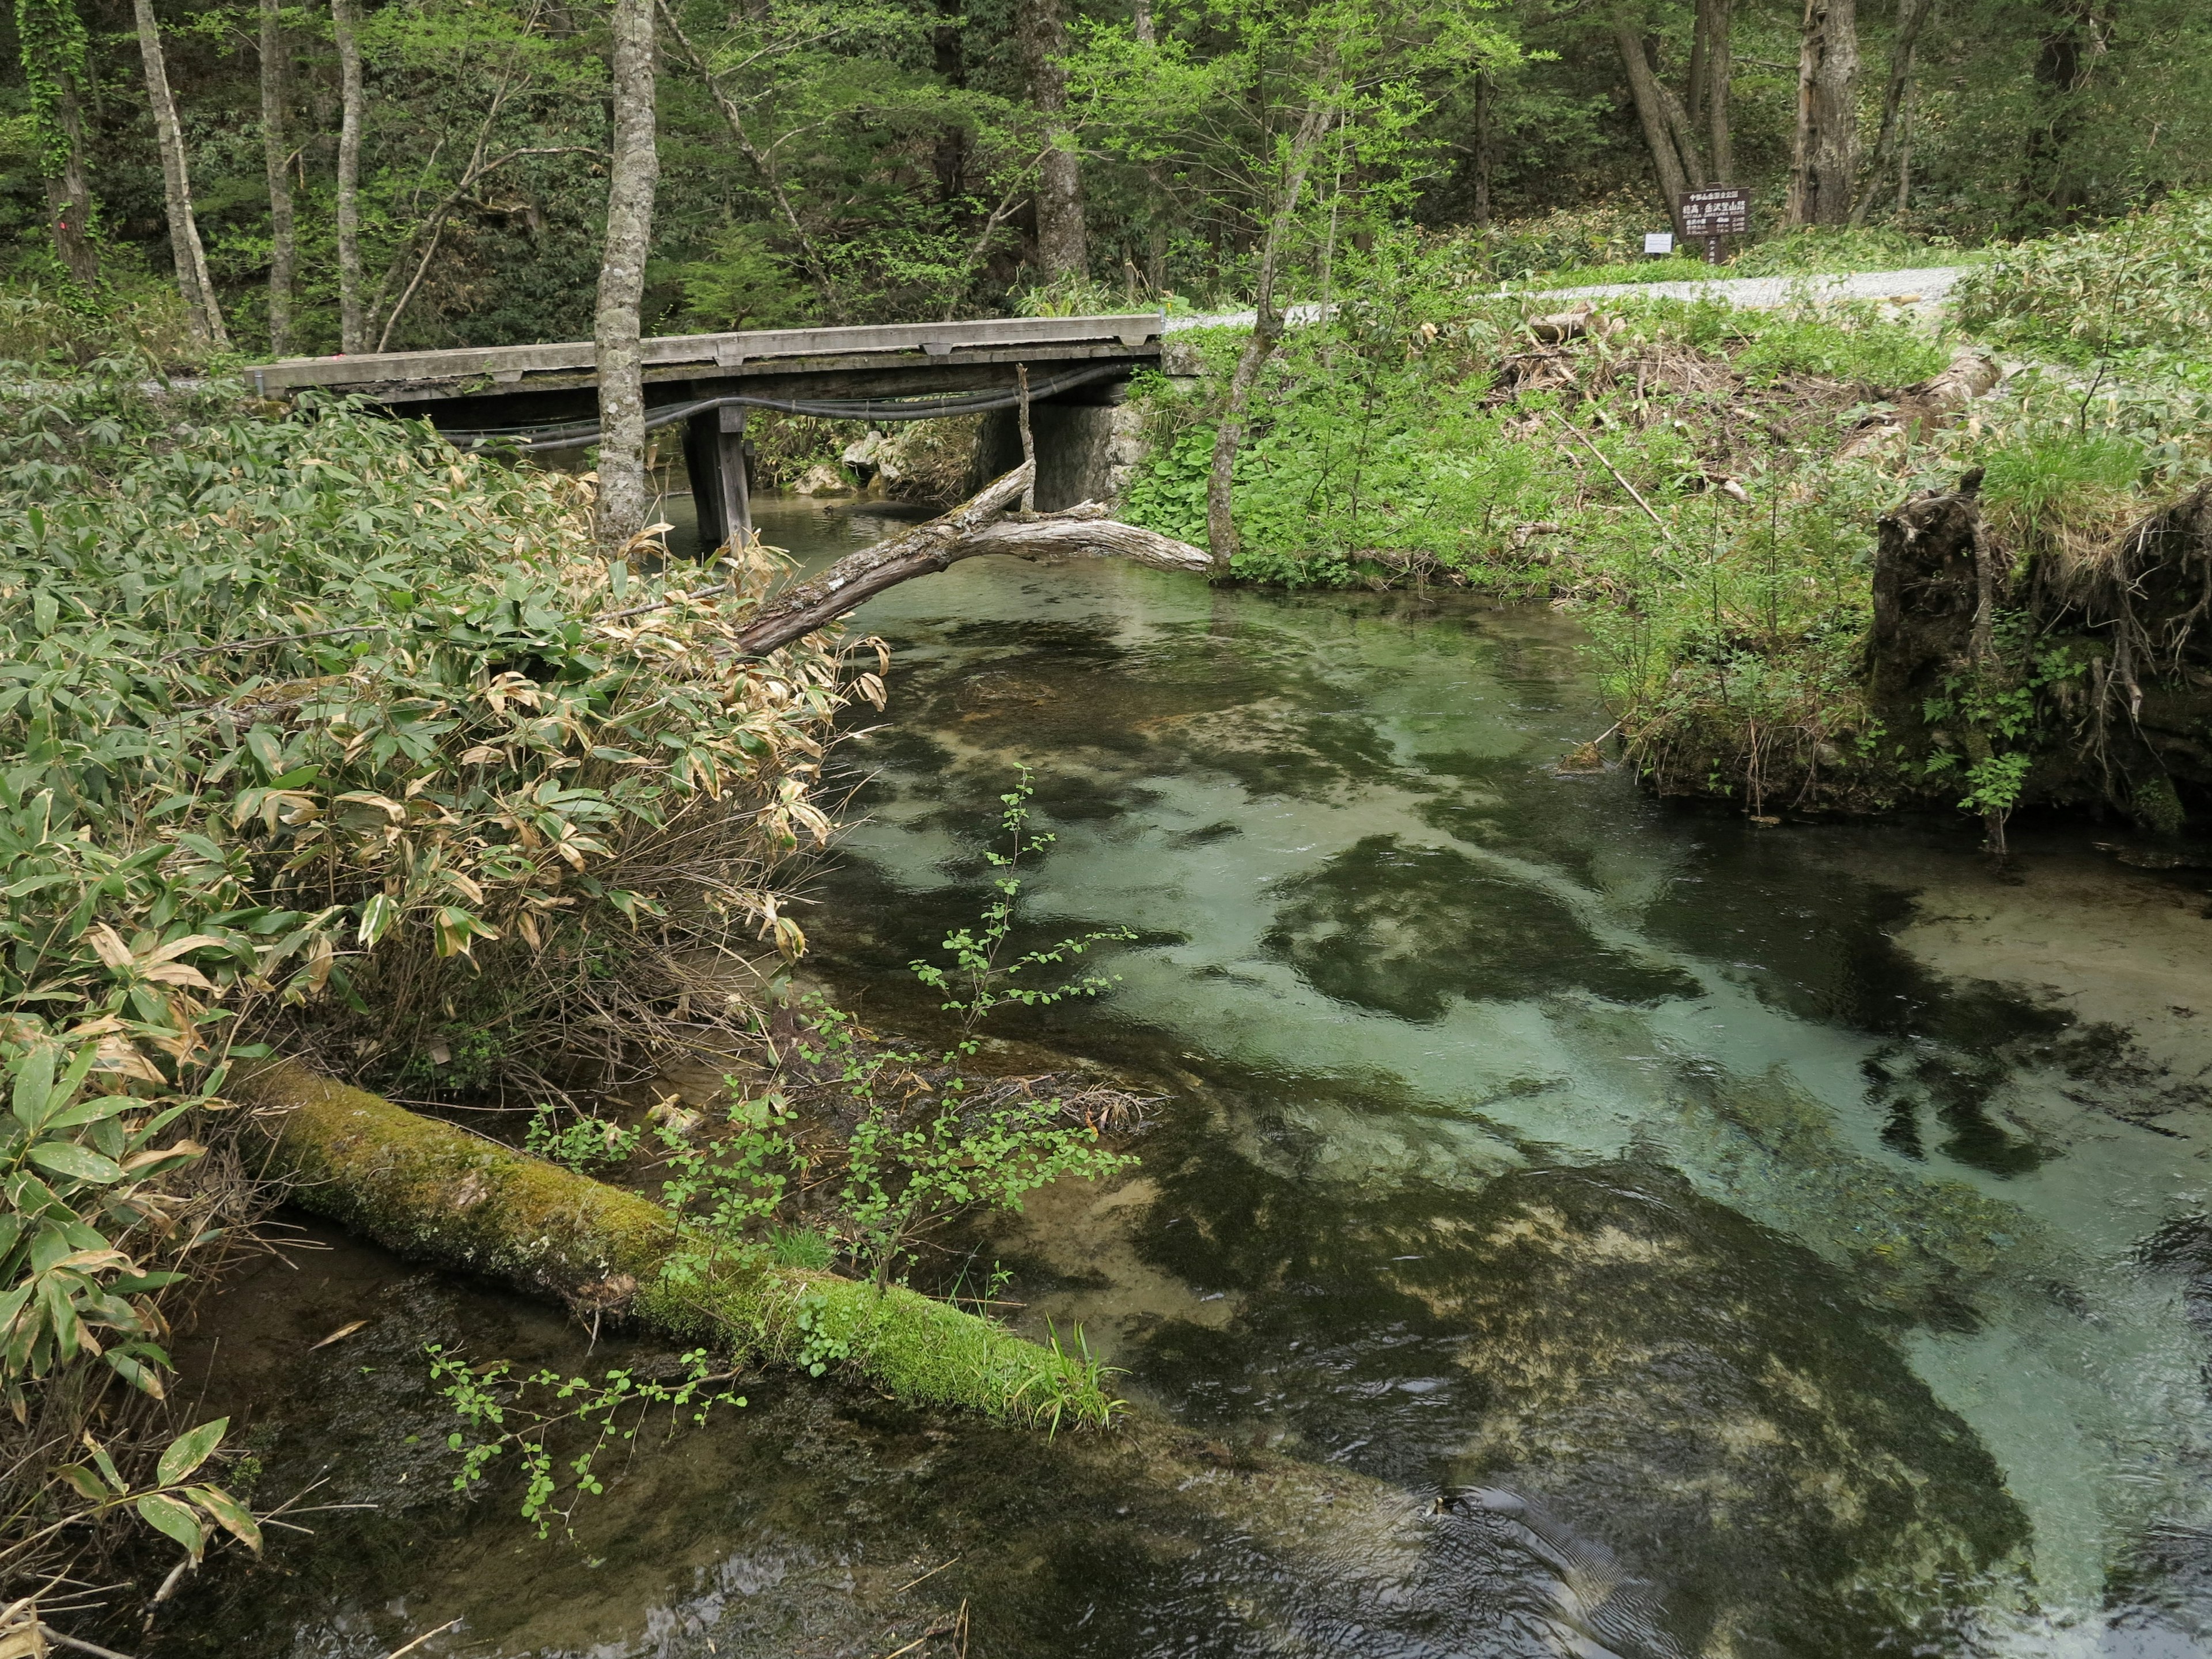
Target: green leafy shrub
{"type": "Point", "coordinates": [2142, 284]}
{"type": "Point", "coordinates": [1819, 249]}
{"type": "Point", "coordinates": [317, 734]}
{"type": "Point", "coordinates": [350, 714]}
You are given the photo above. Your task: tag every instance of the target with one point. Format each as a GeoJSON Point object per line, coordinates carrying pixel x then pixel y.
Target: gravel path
{"type": "Point", "coordinates": [1926, 288]}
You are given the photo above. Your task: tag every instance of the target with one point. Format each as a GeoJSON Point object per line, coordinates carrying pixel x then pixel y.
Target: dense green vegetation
{"type": "Point", "coordinates": [2141, 287]}
{"type": "Point", "coordinates": [320, 740]}
{"type": "Point", "coordinates": [1684, 478]}
{"type": "Point", "coordinates": [850, 160]}
{"type": "Point", "coordinates": [319, 735]}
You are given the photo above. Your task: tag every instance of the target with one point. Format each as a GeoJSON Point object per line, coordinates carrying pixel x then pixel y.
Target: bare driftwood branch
{"type": "Point", "coordinates": [966, 531]}
{"type": "Point", "coordinates": [1932, 401]}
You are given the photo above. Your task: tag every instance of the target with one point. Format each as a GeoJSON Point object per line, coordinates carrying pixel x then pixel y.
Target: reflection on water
{"type": "Point", "coordinates": [1580, 1226]}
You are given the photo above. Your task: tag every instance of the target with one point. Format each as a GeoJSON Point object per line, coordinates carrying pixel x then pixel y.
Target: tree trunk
{"type": "Point", "coordinates": [192, 279]}
{"type": "Point", "coordinates": [1720, 65]}
{"type": "Point", "coordinates": [276, 159]}
{"type": "Point", "coordinates": [1267, 333]}
{"type": "Point", "coordinates": [1146, 31]}
{"type": "Point", "coordinates": [633, 177]}
{"type": "Point", "coordinates": [50, 38]}
{"type": "Point", "coordinates": [353, 329]}
{"type": "Point", "coordinates": [2072, 43]}
{"type": "Point", "coordinates": [1701, 66]}
{"type": "Point", "coordinates": [1485, 155]}
{"type": "Point", "coordinates": [1061, 245]}
{"type": "Point", "coordinates": [1678, 123]}
{"type": "Point", "coordinates": [434, 1193]}
{"type": "Point", "coordinates": [69, 195]}
{"type": "Point", "coordinates": [1651, 112]}
{"type": "Point", "coordinates": [1911, 17]}
{"type": "Point", "coordinates": [961, 533]}
{"type": "Point", "coordinates": [1823, 161]}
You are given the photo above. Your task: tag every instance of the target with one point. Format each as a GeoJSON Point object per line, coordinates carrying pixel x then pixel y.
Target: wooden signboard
{"type": "Point", "coordinates": [1712, 213]}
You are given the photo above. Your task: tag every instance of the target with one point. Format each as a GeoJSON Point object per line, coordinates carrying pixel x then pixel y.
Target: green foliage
{"type": "Point", "coordinates": [1603, 236]}
{"type": "Point", "coordinates": [741, 282]}
{"type": "Point", "coordinates": [143, 324]}
{"type": "Point", "coordinates": [822, 1343]}
{"type": "Point", "coordinates": [2144, 283]}
{"type": "Point", "coordinates": [192, 1513]}
{"type": "Point", "coordinates": [527, 1414]}
{"type": "Point", "coordinates": [51, 37]}
{"type": "Point", "coordinates": [721, 1189]}
{"type": "Point", "coordinates": [1852, 343]}
{"type": "Point", "coordinates": [1076, 1396]}
{"type": "Point", "coordinates": [85, 1164]}
{"type": "Point", "coordinates": [304, 718]}
{"type": "Point", "coordinates": [806, 1248]}
{"type": "Point", "coordinates": [315, 694]}
{"type": "Point", "coordinates": [1819, 249]}
{"type": "Point", "coordinates": [978, 981]}
{"type": "Point", "coordinates": [582, 1144]}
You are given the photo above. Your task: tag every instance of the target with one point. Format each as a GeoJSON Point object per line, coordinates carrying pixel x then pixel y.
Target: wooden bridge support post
{"type": "Point", "coordinates": [714, 456]}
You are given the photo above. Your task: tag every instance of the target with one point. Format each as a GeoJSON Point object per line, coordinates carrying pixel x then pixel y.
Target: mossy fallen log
{"type": "Point", "coordinates": [438, 1194]}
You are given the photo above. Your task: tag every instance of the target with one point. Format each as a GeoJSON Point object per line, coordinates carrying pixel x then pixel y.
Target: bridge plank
{"type": "Point", "coordinates": [932, 343]}
{"type": "Point", "coordinates": [857, 375]}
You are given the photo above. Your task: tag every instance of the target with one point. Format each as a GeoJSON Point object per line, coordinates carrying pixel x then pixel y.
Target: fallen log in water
{"type": "Point", "coordinates": [975, 526]}
{"type": "Point", "coordinates": [439, 1195]}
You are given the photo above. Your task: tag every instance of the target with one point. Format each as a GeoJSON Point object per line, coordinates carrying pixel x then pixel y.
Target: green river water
{"type": "Point", "coordinates": [1574, 1225]}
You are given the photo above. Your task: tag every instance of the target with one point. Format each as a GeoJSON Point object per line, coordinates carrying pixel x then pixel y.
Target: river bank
{"type": "Point", "coordinates": [1765, 1209]}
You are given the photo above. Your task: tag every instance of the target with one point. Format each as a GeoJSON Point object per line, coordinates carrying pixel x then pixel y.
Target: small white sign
{"type": "Point", "coordinates": [1658, 241]}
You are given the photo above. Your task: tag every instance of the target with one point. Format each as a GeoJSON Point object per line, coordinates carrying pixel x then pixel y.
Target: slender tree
{"type": "Point", "coordinates": [353, 326]}
{"type": "Point", "coordinates": [632, 179]}
{"type": "Point", "coordinates": [276, 159]}
{"type": "Point", "coordinates": [1651, 112]}
{"type": "Point", "coordinates": [192, 279]}
{"type": "Point", "coordinates": [1685, 132]}
{"type": "Point", "coordinates": [51, 37]}
{"type": "Point", "coordinates": [1063, 248]}
{"type": "Point", "coordinates": [1891, 143]}
{"type": "Point", "coordinates": [1144, 28]}
{"type": "Point", "coordinates": [1297, 156]}
{"type": "Point", "coordinates": [1824, 161]}
{"type": "Point", "coordinates": [1718, 18]}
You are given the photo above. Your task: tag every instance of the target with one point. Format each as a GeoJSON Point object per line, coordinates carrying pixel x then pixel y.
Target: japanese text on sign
{"type": "Point", "coordinates": [1724, 211]}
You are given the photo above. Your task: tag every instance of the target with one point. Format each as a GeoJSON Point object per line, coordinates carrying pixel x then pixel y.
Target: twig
{"type": "Point", "coordinates": [1028, 443]}
{"type": "Point", "coordinates": [1568, 427]}
{"type": "Point", "coordinates": [449, 1624]}
{"type": "Point", "coordinates": [931, 1573]}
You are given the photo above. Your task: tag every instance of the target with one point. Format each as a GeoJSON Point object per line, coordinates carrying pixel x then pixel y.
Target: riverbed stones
{"type": "Point", "coordinates": [1710, 1402]}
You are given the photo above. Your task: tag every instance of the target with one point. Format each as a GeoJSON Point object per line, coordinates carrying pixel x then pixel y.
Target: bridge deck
{"type": "Point", "coordinates": [495, 371]}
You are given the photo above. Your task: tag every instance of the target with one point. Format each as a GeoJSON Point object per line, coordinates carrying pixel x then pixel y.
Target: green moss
{"type": "Point", "coordinates": [434, 1193]}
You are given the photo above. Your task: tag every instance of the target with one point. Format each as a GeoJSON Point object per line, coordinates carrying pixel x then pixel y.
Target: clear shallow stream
{"type": "Point", "coordinates": [1576, 1225]}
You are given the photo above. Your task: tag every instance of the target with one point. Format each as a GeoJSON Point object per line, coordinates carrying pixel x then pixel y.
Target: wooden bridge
{"type": "Point", "coordinates": [545, 397]}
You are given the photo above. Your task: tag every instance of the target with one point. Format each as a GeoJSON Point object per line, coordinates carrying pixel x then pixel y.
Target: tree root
{"type": "Point", "coordinates": [437, 1195]}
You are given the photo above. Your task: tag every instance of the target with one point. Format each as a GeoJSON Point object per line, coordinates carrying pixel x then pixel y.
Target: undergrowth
{"type": "Point", "coordinates": [2140, 286]}
{"type": "Point", "coordinates": [315, 733]}
{"type": "Point", "coordinates": [1699, 484]}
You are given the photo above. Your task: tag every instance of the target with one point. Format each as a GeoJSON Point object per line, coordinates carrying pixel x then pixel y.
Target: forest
{"type": "Point", "coordinates": [434, 175]}
{"type": "Point", "coordinates": [1533, 989]}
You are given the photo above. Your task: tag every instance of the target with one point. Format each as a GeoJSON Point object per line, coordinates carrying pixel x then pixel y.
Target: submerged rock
{"type": "Point", "coordinates": [1711, 1401]}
